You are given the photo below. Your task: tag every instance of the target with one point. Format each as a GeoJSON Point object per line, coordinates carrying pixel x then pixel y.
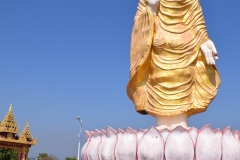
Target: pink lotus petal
{"type": "Point", "coordinates": [151, 146]}
{"type": "Point", "coordinates": [126, 146]}
{"type": "Point", "coordinates": [218, 134]}
{"type": "Point", "coordinates": [179, 145]}
{"type": "Point", "coordinates": [85, 146]}
{"type": "Point", "coordinates": [235, 133]}
{"type": "Point", "coordinates": [120, 130]}
{"type": "Point", "coordinates": [108, 148]}
{"type": "Point", "coordinates": [207, 145]}
{"type": "Point", "coordinates": [93, 147]}
{"type": "Point", "coordinates": [103, 135]}
{"type": "Point", "coordinates": [216, 130]}
{"type": "Point", "coordinates": [140, 133]}
{"type": "Point", "coordinates": [193, 134]}
{"type": "Point", "coordinates": [84, 151]}
{"type": "Point", "coordinates": [119, 133]}
{"type": "Point", "coordinates": [89, 134]}
{"type": "Point", "coordinates": [230, 146]}
{"type": "Point", "coordinates": [165, 133]}
{"type": "Point", "coordinates": [103, 132]}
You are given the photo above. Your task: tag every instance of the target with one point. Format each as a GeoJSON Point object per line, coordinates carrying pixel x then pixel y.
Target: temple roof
{"type": "Point", "coordinates": [26, 134]}
{"type": "Point", "coordinates": [9, 132]}
{"type": "Point", "coordinates": [8, 124]}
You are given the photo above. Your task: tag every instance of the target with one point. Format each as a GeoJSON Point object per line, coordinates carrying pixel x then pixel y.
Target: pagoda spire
{"type": "Point", "coordinates": [8, 124]}
{"type": "Point", "coordinates": [26, 134]}
{"type": "Point", "coordinates": [27, 125]}
{"type": "Point", "coordinates": [10, 108]}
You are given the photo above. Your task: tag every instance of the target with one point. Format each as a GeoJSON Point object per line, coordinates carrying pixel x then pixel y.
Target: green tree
{"type": "Point", "coordinates": [45, 156]}
{"type": "Point", "coordinates": [8, 154]}
{"type": "Point", "coordinates": [52, 157]}
{"type": "Point", "coordinates": [69, 158]}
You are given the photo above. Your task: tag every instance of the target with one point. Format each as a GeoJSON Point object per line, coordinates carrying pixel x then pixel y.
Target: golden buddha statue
{"type": "Point", "coordinates": [172, 60]}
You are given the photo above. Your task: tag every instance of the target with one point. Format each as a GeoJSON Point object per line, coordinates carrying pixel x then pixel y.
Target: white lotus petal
{"type": "Point", "coordinates": [127, 145]}
{"type": "Point", "coordinates": [230, 146]}
{"type": "Point", "coordinates": [193, 134]}
{"type": "Point", "coordinates": [151, 146]}
{"type": "Point", "coordinates": [140, 133]}
{"type": "Point", "coordinates": [218, 134]}
{"type": "Point", "coordinates": [85, 146]}
{"type": "Point", "coordinates": [108, 148]}
{"type": "Point", "coordinates": [235, 133]}
{"type": "Point", "coordinates": [179, 145]}
{"type": "Point", "coordinates": [93, 147]}
{"type": "Point", "coordinates": [119, 133]}
{"type": "Point", "coordinates": [207, 145]}
{"type": "Point", "coordinates": [165, 133]}
{"type": "Point", "coordinates": [103, 135]}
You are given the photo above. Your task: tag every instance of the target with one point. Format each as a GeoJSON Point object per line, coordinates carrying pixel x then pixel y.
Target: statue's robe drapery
{"type": "Point", "coordinates": [168, 72]}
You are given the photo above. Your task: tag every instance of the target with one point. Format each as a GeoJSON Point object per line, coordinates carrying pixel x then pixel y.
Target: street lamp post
{"type": "Point", "coordinates": [79, 136]}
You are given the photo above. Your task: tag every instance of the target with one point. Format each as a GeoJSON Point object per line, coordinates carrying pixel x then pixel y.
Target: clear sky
{"type": "Point", "coordinates": [63, 58]}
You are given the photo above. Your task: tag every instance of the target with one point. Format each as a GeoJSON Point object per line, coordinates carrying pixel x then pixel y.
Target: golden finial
{"type": "Point", "coordinates": [10, 108]}
{"type": "Point", "coordinates": [27, 125]}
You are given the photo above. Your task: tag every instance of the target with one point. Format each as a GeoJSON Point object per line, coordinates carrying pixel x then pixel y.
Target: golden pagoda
{"type": "Point", "coordinates": [8, 125]}
{"type": "Point", "coordinates": [9, 136]}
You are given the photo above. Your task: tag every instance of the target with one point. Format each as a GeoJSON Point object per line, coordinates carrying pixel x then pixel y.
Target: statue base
{"type": "Point", "coordinates": [154, 144]}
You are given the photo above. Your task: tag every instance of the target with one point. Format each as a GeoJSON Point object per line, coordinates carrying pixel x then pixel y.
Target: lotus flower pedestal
{"type": "Point", "coordinates": [154, 144]}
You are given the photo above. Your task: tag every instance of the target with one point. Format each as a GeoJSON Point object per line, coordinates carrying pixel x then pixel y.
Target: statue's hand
{"type": "Point", "coordinates": [153, 5]}
{"type": "Point", "coordinates": [209, 50]}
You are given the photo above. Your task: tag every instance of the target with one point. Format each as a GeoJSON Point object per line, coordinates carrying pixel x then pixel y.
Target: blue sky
{"type": "Point", "coordinates": [63, 58]}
